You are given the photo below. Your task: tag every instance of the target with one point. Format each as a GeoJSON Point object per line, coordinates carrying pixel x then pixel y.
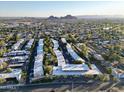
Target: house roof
{"type": "Point", "coordinates": [38, 64]}
{"type": "Point", "coordinates": [58, 71]}
{"type": "Point", "coordinates": [73, 53]}
{"type": "Point", "coordinates": [98, 57]}
{"type": "Point", "coordinates": [14, 74]}
{"type": "Point", "coordinates": [63, 40]}
{"type": "Point", "coordinates": [75, 67]}
{"type": "Point", "coordinates": [29, 44]}
{"type": "Point", "coordinates": [56, 45]}
{"type": "Point", "coordinates": [60, 58]}
{"type": "Point", "coordinates": [16, 45]}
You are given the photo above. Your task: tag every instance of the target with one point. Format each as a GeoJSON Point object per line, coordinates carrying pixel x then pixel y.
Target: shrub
{"type": "Point", "coordinates": [23, 75]}
{"type": "Point", "coordinates": [104, 77]}
{"type": "Point", "coordinates": [8, 70]}
{"type": "Point", "coordinates": [109, 70]}
{"type": "Point", "coordinates": [88, 76]}
{"type": "Point", "coordinates": [3, 65]}
{"type": "Point", "coordinates": [114, 79]}
{"type": "Point", "coordinates": [2, 51]}
{"type": "Point", "coordinates": [2, 80]}
{"type": "Point", "coordinates": [48, 69]}
{"type": "Point", "coordinates": [77, 62]}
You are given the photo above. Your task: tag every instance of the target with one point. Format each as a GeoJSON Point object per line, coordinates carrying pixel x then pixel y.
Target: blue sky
{"type": "Point", "coordinates": [60, 8]}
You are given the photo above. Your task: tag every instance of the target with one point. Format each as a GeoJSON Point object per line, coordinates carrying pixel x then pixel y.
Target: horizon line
{"type": "Point", "coordinates": [67, 14]}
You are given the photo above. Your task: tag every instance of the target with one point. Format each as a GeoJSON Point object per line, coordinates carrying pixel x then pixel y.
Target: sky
{"type": "Point", "coordinates": [60, 8]}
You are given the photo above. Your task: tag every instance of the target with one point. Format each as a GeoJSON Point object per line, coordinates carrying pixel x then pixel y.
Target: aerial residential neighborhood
{"type": "Point", "coordinates": [62, 53]}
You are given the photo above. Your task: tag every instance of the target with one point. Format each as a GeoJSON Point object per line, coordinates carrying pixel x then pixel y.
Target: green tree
{"type": "Point", "coordinates": [114, 57]}
{"type": "Point", "coordinates": [109, 70]}
{"type": "Point", "coordinates": [85, 50]}
{"type": "Point", "coordinates": [17, 37]}
{"type": "Point", "coordinates": [24, 75]}
{"type": "Point", "coordinates": [8, 70]}
{"type": "Point", "coordinates": [2, 51]}
{"type": "Point", "coordinates": [48, 69]}
{"type": "Point", "coordinates": [77, 62]}
{"type": "Point", "coordinates": [4, 64]}
{"type": "Point", "coordinates": [104, 77]}
{"type": "Point", "coordinates": [1, 66]}
{"type": "Point", "coordinates": [2, 80]}
{"type": "Point", "coordinates": [2, 43]}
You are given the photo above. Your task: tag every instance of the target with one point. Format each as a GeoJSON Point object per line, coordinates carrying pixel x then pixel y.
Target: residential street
{"type": "Point", "coordinates": [47, 87]}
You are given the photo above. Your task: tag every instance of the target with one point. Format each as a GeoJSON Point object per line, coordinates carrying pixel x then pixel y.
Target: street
{"type": "Point", "coordinates": [95, 86]}
{"type": "Point", "coordinates": [49, 87]}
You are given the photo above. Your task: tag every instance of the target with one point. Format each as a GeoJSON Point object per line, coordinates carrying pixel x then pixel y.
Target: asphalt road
{"type": "Point", "coordinates": [94, 86]}
{"type": "Point", "coordinates": [47, 87]}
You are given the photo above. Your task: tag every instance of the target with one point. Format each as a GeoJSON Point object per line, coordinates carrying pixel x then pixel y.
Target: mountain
{"type": "Point", "coordinates": [64, 17]}
{"type": "Point", "coordinates": [68, 17]}
{"type": "Point", "coordinates": [99, 16]}
{"type": "Point", "coordinates": [52, 17]}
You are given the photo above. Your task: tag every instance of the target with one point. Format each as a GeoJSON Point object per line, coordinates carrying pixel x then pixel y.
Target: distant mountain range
{"type": "Point", "coordinates": [65, 17]}
{"type": "Point", "coordinates": [69, 17]}
{"type": "Point", "coordinates": [99, 16]}
{"type": "Point", "coordinates": [87, 17]}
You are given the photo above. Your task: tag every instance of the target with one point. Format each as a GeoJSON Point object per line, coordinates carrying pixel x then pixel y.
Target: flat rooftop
{"type": "Point", "coordinates": [16, 65]}
{"type": "Point", "coordinates": [63, 40]}
{"type": "Point", "coordinates": [73, 53]}
{"type": "Point", "coordinates": [59, 71]}
{"type": "Point", "coordinates": [16, 73]}
{"type": "Point", "coordinates": [75, 67]}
